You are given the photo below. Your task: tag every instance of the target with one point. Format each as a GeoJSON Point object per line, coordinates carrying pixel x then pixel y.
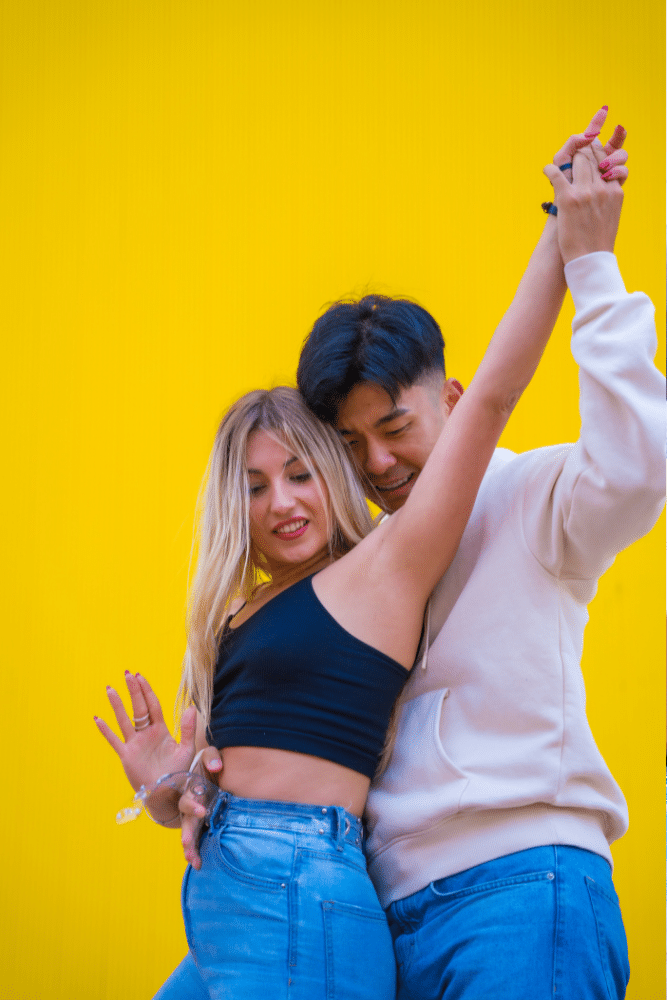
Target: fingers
{"type": "Point", "coordinates": [150, 698]}
{"type": "Point", "coordinates": [192, 816]}
{"type": "Point", "coordinates": [612, 167]}
{"type": "Point", "coordinates": [122, 718]}
{"type": "Point", "coordinates": [617, 158]}
{"type": "Point", "coordinates": [109, 735]}
{"type": "Point", "coordinates": [212, 761]}
{"type": "Point", "coordinates": [558, 181]}
{"type": "Point", "coordinates": [594, 126]}
{"type": "Point", "coordinates": [188, 730]}
{"type": "Point", "coordinates": [617, 139]}
{"type": "Point", "coordinates": [619, 174]}
{"type": "Point", "coordinates": [584, 166]}
{"type": "Point", "coordinates": [140, 711]}
{"type": "Point", "coordinates": [581, 139]}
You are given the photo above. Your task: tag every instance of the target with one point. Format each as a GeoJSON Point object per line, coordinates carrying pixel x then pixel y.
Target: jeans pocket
{"type": "Point", "coordinates": [612, 941]}
{"type": "Point", "coordinates": [494, 886]}
{"type": "Point", "coordinates": [254, 858]}
{"type": "Point", "coordinates": [360, 962]}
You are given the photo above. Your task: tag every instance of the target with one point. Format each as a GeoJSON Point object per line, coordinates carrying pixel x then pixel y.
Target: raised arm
{"type": "Point", "coordinates": [421, 539]}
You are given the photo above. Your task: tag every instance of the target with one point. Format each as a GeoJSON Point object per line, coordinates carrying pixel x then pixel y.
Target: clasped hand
{"type": "Point", "coordinates": [589, 201]}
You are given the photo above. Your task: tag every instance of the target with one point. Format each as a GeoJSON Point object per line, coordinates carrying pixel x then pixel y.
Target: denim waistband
{"type": "Point", "coordinates": [333, 822]}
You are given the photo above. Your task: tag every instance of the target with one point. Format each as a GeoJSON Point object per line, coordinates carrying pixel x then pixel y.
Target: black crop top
{"type": "Point", "coordinates": [291, 678]}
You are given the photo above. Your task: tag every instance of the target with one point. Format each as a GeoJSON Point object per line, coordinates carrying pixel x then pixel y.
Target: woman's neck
{"type": "Point", "coordinates": [283, 575]}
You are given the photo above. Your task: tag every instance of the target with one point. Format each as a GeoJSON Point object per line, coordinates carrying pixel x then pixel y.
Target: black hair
{"type": "Point", "coordinates": [391, 343]}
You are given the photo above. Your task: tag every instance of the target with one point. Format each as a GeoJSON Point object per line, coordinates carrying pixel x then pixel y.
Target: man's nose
{"type": "Point", "coordinates": [378, 459]}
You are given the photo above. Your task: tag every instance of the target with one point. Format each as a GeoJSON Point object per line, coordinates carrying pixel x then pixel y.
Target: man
{"type": "Point", "coordinates": [495, 807]}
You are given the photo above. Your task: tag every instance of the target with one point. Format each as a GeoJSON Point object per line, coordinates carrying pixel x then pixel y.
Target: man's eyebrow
{"type": "Point", "coordinates": [398, 411]}
{"type": "Point", "coordinates": [258, 472]}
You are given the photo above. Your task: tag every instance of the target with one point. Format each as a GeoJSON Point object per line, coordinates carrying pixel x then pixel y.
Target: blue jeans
{"type": "Point", "coordinates": [543, 923]}
{"type": "Point", "coordinates": [282, 909]}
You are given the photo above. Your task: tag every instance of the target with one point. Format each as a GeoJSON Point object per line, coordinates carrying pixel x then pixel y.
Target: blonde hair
{"type": "Point", "coordinates": [228, 566]}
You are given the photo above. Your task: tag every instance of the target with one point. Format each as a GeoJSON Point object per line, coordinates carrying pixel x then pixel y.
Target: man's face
{"type": "Point", "coordinates": [390, 442]}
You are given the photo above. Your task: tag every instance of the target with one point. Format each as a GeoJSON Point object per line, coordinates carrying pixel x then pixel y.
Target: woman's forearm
{"type": "Point", "coordinates": [523, 333]}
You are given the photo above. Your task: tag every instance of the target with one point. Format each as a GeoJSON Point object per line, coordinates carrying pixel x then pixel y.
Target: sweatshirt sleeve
{"type": "Point", "coordinates": [590, 501]}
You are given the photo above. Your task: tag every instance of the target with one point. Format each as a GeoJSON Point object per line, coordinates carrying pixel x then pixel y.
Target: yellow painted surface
{"type": "Point", "coordinates": [185, 185]}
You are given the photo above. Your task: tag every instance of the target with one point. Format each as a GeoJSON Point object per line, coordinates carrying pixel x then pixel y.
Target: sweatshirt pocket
{"type": "Point", "coordinates": [440, 720]}
{"type": "Point", "coordinates": [421, 781]}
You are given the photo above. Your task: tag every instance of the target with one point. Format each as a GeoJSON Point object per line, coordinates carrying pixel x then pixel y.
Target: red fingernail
{"type": "Point", "coordinates": [109, 688]}
{"type": "Point", "coordinates": [603, 165]}
{"type": "Point", "coordinates": [126, 672]}
{"type": "Point", "coordinates": [590, 135]}
{"type": "Point", "coordinates": [95, 718]}
{"type": "Point", "coordinates": [608, 176]}
{"type": "Point", "coordinates": [137, 674]}
{"type": "Point", "coordinates": [605, 107]}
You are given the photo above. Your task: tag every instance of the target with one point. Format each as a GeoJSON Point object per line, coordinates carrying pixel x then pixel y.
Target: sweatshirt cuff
{"type": "Point", "coordinates": [594, 276]}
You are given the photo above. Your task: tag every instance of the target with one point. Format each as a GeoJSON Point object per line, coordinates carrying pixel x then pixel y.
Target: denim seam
{"type": "Point", "coordinates": [184, 906]}
{"type": "Point", "coordinates": [596, 887]}
{"type": "Point", "coordinates": [362, 912]}
{"type": "Point", "coordinates": [292, 922]}
{"type": "Point", "coordinates": [558, 950]}
{"type": "Point", "coordinates": [334, 857]}
{"type": "Point", "coordinates": [513, 880]}
{"type": "Point", "coordinates": [592, 886]}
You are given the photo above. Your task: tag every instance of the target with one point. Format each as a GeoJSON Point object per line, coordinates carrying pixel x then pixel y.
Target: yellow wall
{"type": "Point", "coordinates": [185, 185]}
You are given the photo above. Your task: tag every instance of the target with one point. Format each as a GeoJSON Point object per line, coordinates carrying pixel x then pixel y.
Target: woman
{"type": "Point", "coordinates": [281, 904]}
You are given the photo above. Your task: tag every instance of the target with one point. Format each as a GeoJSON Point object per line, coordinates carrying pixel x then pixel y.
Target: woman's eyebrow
{"type": "Point", "coordinates": [258, 472]}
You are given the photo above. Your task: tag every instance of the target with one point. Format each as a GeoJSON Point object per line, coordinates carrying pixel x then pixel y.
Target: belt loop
{"type": "Point", "coordinates": [217, 817]}
{"type": "Point", "coordinates": [339, 827]}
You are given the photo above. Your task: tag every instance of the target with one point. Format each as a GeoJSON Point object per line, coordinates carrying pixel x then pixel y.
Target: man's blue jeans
{"type": "Point", "coordinates": [542, 924]}
{"type": "Point", "coordinates": [282, 909]}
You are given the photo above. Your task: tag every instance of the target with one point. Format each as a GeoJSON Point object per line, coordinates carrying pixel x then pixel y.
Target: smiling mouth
{"type": "Point", "coordinates": [293, 529]}
{"type": "Point", "coordinates": [395, 486]}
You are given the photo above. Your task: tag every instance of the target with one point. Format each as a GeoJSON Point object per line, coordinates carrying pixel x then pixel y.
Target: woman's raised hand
{"type": "Point", "coordinates": [589, 209]}
{"type": "Point", "coordinates": [147, 750]}
{"type": "Point", "coordinates": [612, 165]}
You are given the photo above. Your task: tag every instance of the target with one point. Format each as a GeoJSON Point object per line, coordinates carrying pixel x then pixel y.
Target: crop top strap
{"type": "Point", "coordinates": [230, 617]}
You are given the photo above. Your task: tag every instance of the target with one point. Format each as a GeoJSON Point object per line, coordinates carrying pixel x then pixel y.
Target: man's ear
{"type": "Point", "coordinates": [452, 390]}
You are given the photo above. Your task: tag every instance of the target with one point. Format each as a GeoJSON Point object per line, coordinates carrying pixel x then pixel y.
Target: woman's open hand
{"type": "Point", "coordinates": [147, 750]}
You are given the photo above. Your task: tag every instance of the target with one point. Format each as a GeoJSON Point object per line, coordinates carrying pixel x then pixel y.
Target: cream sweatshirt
{"type": "Point", "coordinates": [494, 753]}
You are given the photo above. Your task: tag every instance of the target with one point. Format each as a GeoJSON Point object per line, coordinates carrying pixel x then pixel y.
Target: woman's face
{"type": "Point", "coordinates": [288, 507]}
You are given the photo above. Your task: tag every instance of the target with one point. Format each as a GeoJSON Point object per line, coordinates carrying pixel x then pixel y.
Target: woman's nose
{"type": "Point", "coordinates": [282, 498]}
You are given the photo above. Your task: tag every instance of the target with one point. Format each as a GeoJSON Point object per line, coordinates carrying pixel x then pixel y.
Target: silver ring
{"type": "Point", "coordinates": [138, 729]}
{"type": "Point", "coordinates": [142, 718]}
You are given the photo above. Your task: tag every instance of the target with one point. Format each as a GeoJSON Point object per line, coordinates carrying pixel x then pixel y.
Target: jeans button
{"type": "Point", "coordinates": [550, 876]}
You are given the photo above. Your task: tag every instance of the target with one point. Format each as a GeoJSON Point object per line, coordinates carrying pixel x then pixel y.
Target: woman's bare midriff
{"type": "Point", "coordinates": [284, 776]}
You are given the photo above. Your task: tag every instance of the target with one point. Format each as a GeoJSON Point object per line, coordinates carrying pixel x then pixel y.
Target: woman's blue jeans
{"type": "Point", "coordinates": [542, 924]}
{"type": "Point", "coordinates": [282, 909]}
